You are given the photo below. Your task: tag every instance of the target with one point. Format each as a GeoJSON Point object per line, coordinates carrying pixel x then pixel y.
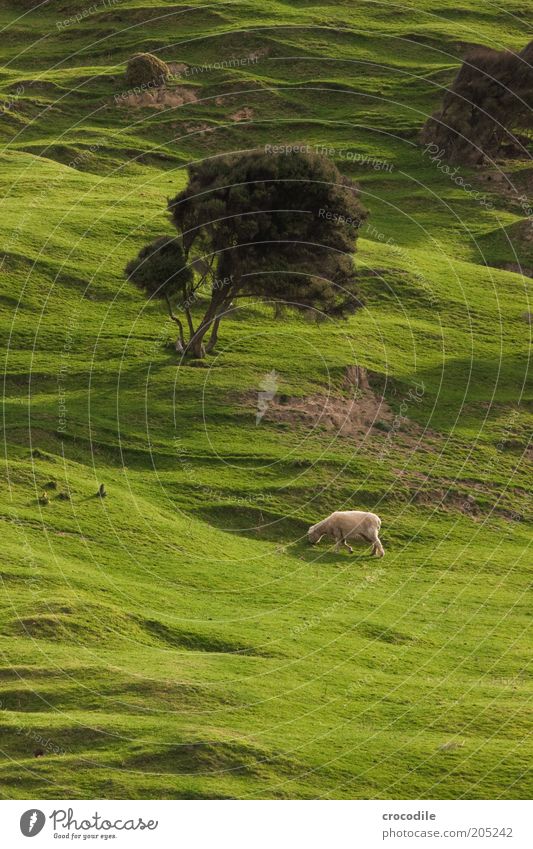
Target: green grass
{"type": "Point", "coordinates": [179, 638]}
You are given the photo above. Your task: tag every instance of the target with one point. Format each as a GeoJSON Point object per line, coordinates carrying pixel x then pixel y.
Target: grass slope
{"type": "Point", "coordinates": [178, 638]}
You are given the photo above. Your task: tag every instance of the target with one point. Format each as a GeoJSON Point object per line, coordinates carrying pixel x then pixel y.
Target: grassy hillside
{"type": "Point", "coordinates": [179, 638]}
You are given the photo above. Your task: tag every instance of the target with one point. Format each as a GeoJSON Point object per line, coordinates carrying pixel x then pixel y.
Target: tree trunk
{"type": "Point", "coordinates": [224, 310]}
{"type": "Point", "coordinates": [189, 322]}
{"type": "Point", "coordinates": [213, 339]}
{"type": "Point", "coordinates": [196, 345]}
{"type": "Point", "coordinates": [180, 342]}
{"type": "Point", "coordinates": [218, 306]}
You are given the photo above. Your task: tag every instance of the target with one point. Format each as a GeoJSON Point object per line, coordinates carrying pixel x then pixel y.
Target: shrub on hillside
{"type": "Point", "coordinates": [489, 101]}
{"type": "Point", "coordinates": [145, 69]}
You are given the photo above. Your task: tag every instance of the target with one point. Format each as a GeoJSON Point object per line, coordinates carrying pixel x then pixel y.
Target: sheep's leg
{"type": "Point", "coordinates": [341, 543]}
{"type": "Point", "coordinates": [377, 548]}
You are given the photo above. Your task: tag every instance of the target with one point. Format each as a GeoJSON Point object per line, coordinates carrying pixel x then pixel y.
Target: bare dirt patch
{"type": "Point", "coordinates": [160, 98]}
{"type": "Point", "coordinates": [201, 129]}
{"type": "Point", "coordinates": [352, 414]}
{"type": "Point", "coordinates": [344, 416]}
{"type": "Point", "coordinates": [244, 114]}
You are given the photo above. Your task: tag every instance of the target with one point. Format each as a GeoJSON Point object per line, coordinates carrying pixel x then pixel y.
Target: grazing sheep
{"type": "Point", "coordinates": [349, 524]}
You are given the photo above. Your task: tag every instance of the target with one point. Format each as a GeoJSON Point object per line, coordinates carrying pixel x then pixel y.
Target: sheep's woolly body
{"type": "Point", "coordinates": [349, 524]}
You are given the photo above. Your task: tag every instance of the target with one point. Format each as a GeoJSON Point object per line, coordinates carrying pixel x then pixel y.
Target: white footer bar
{"type": "Point", "coordinates": [268, 824]}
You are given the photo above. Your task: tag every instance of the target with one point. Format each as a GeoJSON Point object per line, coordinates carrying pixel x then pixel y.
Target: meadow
{"type": "Point", "coordinates": [179, 638]}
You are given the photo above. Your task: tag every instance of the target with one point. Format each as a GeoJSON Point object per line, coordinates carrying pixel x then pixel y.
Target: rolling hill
{"type": "Point", "coordinates": [179, 638]}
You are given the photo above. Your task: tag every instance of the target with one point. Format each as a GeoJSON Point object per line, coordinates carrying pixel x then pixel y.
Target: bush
{"type": "Point", "coordinates": [146, 69]}
{"type": "Point", "coordinates": [489, 100]}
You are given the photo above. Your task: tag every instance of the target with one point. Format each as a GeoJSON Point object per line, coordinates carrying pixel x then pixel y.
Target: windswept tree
{"type": "Point", "coordinates": [277, 227]}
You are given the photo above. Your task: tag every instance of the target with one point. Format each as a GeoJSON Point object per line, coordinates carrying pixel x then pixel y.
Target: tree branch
{"type": "Point", "coordinates": [175, 319]}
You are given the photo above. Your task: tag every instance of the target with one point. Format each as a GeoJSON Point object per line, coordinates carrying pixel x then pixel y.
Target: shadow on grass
{"type": "Point", "coordinates": [326, 555]}
{"type": "Point", "coordinates": [254, 523]}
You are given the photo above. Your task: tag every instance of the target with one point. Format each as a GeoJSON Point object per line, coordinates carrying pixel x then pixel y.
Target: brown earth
{"type": "Point", "coordinates": [244, 114]}
{"type": "Point", "coordinates": [159, 98]}
{"type": "Point", "coordinates": [354, 416]}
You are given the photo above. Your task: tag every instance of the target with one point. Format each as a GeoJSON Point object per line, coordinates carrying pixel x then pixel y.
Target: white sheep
{"type": "Point", "coordinates": [349, 524]}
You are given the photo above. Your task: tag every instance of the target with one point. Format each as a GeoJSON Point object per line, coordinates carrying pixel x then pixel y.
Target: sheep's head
{"type": "Point", "coordinates": [313, 535]}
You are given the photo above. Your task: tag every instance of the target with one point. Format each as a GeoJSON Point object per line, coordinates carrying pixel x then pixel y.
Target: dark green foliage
{"type": "Point", "coordinates": [160, 269]}
{"type": "Point", "coordinates": [490, 98]}
{"type": "Point", "coordinates": [279, 227]}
